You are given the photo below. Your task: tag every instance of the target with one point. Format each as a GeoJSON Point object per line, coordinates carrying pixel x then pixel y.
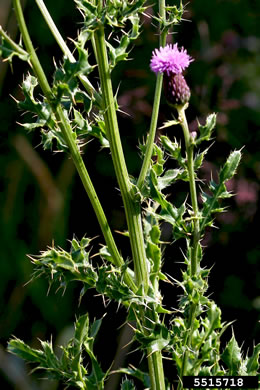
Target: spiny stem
{"type": "Point", "coordinates": [73, 148]}
{"type": "Point", "coordinates": [14, 45]}
{"type": "Point", "coordinates": [156, 371]}
{"type": "Point", "coordinates": [132, 206]}
{"type": "Point", "coordinates": [193, 192]}
{"type": "Point", "coordinates": [156, 105]}
{"type": "Point", "coordinates": [155, 363]}
{"type": "Point", "coordinates": [196, 232]}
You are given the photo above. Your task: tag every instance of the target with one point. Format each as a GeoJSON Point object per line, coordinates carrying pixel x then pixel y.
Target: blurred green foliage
{"type": "Point", "coordinates": [43, 201]}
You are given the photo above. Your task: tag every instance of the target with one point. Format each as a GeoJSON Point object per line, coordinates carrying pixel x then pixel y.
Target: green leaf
{"type": "Point", "coordinates": [42, 109]}
{"type": "Point", "coordinates": [51, 359]}
{"type": "Point", "coordinates": [127, 385]}
{"type": "Point", "coordinates": [81, 329]}
{"type": "Point", "coordinates": [170, 176]}
{"type": "Point", "coordinates": [138, 374]}
{"type": "Point", "coordinates": [68, 368]}
{"type": "Point", "coordinates": [24, 351]}
{"type": "Point", "coordinates": [172, 147]}
{"type": "Point", "coordinates": [158, 338]}
{"type": "Point", "coordinates": [51, 138]}
{"type": "Point", "coordinates": [253, 362]}
{"type": "Point", "coordinates": [155, 233]}
{"type": "Point", "coordinates": [219, 191]}
{"type": "Point", "coordinates": [232, 356]}
{"type": "Point", "coordinates": [230, 167]}
{"type": "Point", "coordinates": [153, 252]}
{"type": "Point", "coordinates": [170, 123]}
{"type": "Point", "coordinates": [168, 212]}
{"type": "Point", "coordinates": [158, 155]}
{"type": "Point", "coordinates": [199, 158]}
{"type": "Point", "coordinates": [44, 116]}
{"type": "Point", "coordinates": [87, 6]}
{"type": "Point", "coordinates": [95, 328]}
{"type": "Point", "coordinates": [64, 267]}
{"type": "Point", "coordinates": [205, 131]}
{"type": "Point", "coordinates": [10, 49]}
{"type": "Point", "coordinates": [110, 283]}
{"type": "Point", "coordinates": [123, 17]}
{"type": "Point", "coordinates": [214, 315]}
{"type": "Point", "coordinates": [65, 86]}
{"type": "Point", "coordinates": [83, 128]}
{"type": "Point", "coordinates": [173, 16]}
{"type": "Point", "coordinates": [120, 52]}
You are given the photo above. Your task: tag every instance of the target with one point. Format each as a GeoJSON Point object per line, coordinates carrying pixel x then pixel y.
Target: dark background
{"type": "Point", "coordinates": [42, 199]}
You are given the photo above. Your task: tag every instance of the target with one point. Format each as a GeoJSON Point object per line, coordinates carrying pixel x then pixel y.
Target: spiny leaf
{"type": "Point", "coordinates": [230, 167]}
{"type": "Point", "coordinates": [65, 267]}
{"type": "Point", "coordinates": [44, 116]}
{"type": "Point", "coordinates": [169, 212]}
{"type": "Point", "coordinates": [97, 376]}
{"type": "Point", "coordinates": [9, 49]}
{"type": "Point", "coordinates": [127, 385]}
{"type": "Point", "coordinates": [232, 356]}
{"type": "Point", "coordinates": [206, 130]}
{"type": "Point", "coordinates": [83, 128]}
{"type": "Point", "coordinates": [214, 315]}
{"type": "Point", "coordinates": [24, 351]}
{"type": "Point", "coordinates": [158, 338]}
{"type": "Point", "coordinates": [68, 368]}
{"type": "Point", "coordinates": [173, 147]}
{"type": "Point", "coordinates": [42, 109]}
{"type": "Point", "coordinates": [70, 70]}
{"type": "Point", "coordinates": [65, 85]}
{"type": "Point", "coordinates": [81, 329]}
{"type": "Point", "coordinates": [219, 191]}
{"type": "Point", "coordinates": [159, 160]}
{"type": "Point", "coordinates": [199, 158]}
{"type": "Point", "coordinates": [253, 362]}
{"type": "Point", "coordinates": [51, 359]}
{"type": "Point", "coordinates": [170, 123]}
{"type": "Point", "coordinates": [138, 374]}
{"type": "Point", "coordinates": [170, 176]}
{"type": "Point", "coordinates": [173, 16]}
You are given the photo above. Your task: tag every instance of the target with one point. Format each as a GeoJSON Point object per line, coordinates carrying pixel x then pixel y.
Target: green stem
{"type": "Point", "coordinates": [56, 34]}
{"type": "Point", "coordinates": [187, 343]}
{"type": "Point", "coordinates": [14, 45]}
{"type": "Point", "coordinates": [132, 207]}
{"type": "Point", "coordinates": [68, 136]}
{"type": "Point", "coordinates": [155, 364]}
{"type": "Point", "coordinates": [193, 192]}
{"type": "Point", "coordinates": [156, 105]}
{"type": "Point", "coordinates": [156, 371]}
{"type": "Point", "coordinates": [196, 232]}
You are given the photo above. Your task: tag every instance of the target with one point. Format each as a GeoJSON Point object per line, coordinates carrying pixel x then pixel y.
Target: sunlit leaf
{"type": "Point", "coordinates": [232, 356]}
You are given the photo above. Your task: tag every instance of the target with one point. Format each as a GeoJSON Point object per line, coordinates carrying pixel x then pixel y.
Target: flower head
{"type": "Point", "coordinates": [170, 59]}
{"type": "Point", "coordinates": [176, 89]}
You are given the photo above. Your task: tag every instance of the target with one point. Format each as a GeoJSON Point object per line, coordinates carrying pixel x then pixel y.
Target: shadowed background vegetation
{"type": "Point", "coordinates": [42, 199]}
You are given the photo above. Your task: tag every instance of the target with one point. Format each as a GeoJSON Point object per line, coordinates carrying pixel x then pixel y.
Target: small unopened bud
{"type": "Point", "coordinates": [176, 89]}
{"type": "Point", "coordinates": [193, 134]}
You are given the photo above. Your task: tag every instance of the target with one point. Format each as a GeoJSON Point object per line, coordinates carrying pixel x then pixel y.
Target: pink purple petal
{"type": "Point", "coordinates": [170, 59]}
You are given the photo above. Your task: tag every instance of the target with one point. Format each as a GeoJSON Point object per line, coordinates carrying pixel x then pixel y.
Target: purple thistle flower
{"type": "Point", "coordinates": [170, 59]}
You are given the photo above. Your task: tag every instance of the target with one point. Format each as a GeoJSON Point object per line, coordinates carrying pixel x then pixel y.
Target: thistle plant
{"type": "Point", "coordinates": [189, 336]}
